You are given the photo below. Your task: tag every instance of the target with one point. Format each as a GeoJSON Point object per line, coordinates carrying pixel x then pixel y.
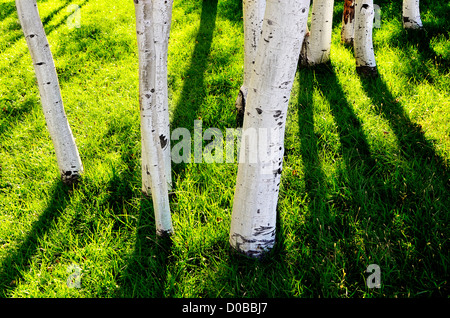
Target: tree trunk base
{"type": "Point", "coordinates": [163, 234]}
{"type": "Point", "coordinates": [260, 256]}
{"type": "Point", "coordinates": [347, 42]}
{"type": "Point", "coordinates": [70, 178]}
{"type": "Point", "coordinates": [367, 71]}
{"type": "Point", "coordinates": [409, 24]}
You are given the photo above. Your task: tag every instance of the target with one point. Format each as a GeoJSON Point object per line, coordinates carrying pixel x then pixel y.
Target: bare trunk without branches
{"type": "Point", "coordinates": [253, 19]}
{"type": "Point", "coordinates": [153, 20]}
{"type": "Point", "coordinates": [69, 162]}
{"type": "Point", "coordinates": [317, 43]}
{"type": "Point", "coordinates": [348, 23]}
{"type": "Point", "coordinates": [411, 14]}
{"type": "Point", "coordinates": [363, 47]}
{"type": "Point", "coordinates": [253, 223]}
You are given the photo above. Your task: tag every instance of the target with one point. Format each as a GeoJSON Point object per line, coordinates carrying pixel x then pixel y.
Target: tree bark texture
{"type": "Point", "coordinates": [153, 20]}
{"type": "Point", "coordinates": [348, 22]}
{"type": "Point", "coordinates": [253, 224]}
{"type": "Point", "coordinates": [253, 19]}
{"type": "Point", "coordinates": [317, 43]}
{"type": "Point", "coordinates": [363, 47]}
{"type": "Point", "coordinates": [69, 162]}
{"type": "Point", "coordinates": [411, 14]}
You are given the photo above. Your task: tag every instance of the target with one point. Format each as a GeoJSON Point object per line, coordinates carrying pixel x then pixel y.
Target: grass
{"type": "Point", "coordinates": [366, 173]}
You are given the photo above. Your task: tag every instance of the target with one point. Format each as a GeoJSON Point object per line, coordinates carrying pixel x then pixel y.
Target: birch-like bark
{"type": "Point", "coordinates": [348, 23]}
{"type": "Point", "coordinates": [411, 14]}
{"type": "Point", "coordinates": [253, 223]}
{"type": "Point", "coordinates": [153, 20]}
{"type": "Point", "coordinates": [253, 19]}
{"type": "Point", "coordinates": [317, 43]}
{"type": "Point", "coordinates": [68, 158]}
{"type": "Point", "coordinates": [363, 47]}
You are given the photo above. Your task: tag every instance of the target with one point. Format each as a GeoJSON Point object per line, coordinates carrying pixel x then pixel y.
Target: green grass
{"type": "Point", "coordinates": [366, 173]}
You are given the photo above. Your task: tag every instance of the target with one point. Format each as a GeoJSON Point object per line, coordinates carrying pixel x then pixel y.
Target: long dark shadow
{"type": "Point", "coordinates": [194, 90]}
{"type": "Point", "coordinates": [6, 9]}
{"type": "Point", "coordinates": [17, 260]}
{"type": "Point", "coordinates": [145, 272]}
{"type": "Point", "coordinates": [331, 212]}
{"type": "Point", "coordinates": [19, 111]}
{"type": "Point", "coordinates": [309, 141]}
{"type": "Point", "coordinates": [425, 199]}
{"type": "Point", "coordinates": [414, 145]}
{"type": "Point", "coordinates": [45, 20]}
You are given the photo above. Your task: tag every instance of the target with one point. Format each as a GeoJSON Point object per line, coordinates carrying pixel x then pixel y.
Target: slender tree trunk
{"type": "Point", "coordinates": [69, 162]}
{"type": "Point", "coordinates": [153, 20]}
{"type": "Point", "coordinates": [317, 44]}
{"type": "Point", "coordinates": [253, 223]}
{"type": "Point", "coordinates": [348, 23]}
{"type": "Point", "coordinates": [253, 19]}
{"type": "Point", "coordinates": [363, 47]}
{"type": "Point", "coordinates": [411, 14]}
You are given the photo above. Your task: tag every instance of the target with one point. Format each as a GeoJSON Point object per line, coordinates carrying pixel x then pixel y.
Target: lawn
{"type": "Point", "coordinates": [366, 176]}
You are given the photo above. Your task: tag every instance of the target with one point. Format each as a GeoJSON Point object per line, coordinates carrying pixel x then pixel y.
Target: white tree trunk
{"type": "Point", "coordinates": [253, 221]}
{"type": "Point", "coordinates": [253, 19]}
{"type": "Point", "coordinates": [348, 23]}
{"type": "Point", "coordinates": [69, 162]}
{"type": "Point", "coordinates": [411, 14]}
{"type": "Point", "coordinates": [363, 47]}
{"type": "Point", "coordinates": [317, 44]}
{"type": "Point", "coordinates": [153, 20]}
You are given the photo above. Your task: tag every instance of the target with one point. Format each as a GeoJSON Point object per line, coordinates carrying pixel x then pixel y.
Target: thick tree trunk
{"type": "Point", "coordinates": [253, 19]}
{"type": "Point", "coordinates": [363, 47]}
{"type": "Point", "coordinates": [317, 44]}
{"type": "Point", "coordinates": [253, 221]}
{"type": "Point", "coordinates": [153, 20]}
{"type": "Point", "coordinates": [69, 162]}
{"type": "Point", "coordinates": [348, 23]}
{"type": "Point", "coordinates": [411, 14]}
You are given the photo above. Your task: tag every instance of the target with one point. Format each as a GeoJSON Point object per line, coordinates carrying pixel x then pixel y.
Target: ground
{"type": "Point", "coordinates": [365, 178]}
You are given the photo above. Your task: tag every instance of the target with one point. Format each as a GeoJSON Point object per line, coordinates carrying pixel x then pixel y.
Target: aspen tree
{"type": "Point", "coordinates": [253, 224]}
{"type": "Point", "coordinates": [363, 47]}
{"type": "Point", "coordinates": [411, 14]}
{"type": "Point", "coordinates": [348, 22]}
{"type": "Point", "coordinates": [153, 21]}
{"type": "Point", "coordinates": [317, 43]}
{"type": "Point", "coordinates": [253, 18]}
{"type": "Point", "coordinates": [68, 158]}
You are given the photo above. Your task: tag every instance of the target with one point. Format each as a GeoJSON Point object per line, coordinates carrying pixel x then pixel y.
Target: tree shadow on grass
{"type": "Point", "coordinates": [145, 271]}
{"type": "Point", "coordinates": [194, 91]}
{"type": "Point", "coordinates": [425, 200]}
{"type": "Point", "coordinates": [10, 110]}
{"type": "Point", "coordinates": [330, 211]}
{"type": "Point", "coordinates": [17, 260]}
{"type": "Point", "coordinates": [45, 21]}
{"type": "Point", "coordinates": [371, 188]}
{"type": "Point", "coordinates": [6, 9]}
